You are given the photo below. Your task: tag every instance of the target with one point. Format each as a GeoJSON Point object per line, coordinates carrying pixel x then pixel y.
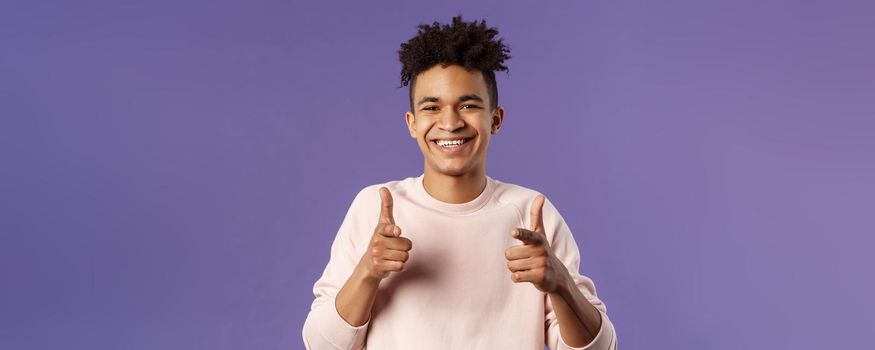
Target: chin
{"type": "Point", "coordinates": [453, 170]}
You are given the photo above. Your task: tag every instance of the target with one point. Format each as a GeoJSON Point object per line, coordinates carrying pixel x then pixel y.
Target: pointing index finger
{"type": "Point", "coordinates": [386, 206]}
{"type": "Point", "coordinates": [529, 237]}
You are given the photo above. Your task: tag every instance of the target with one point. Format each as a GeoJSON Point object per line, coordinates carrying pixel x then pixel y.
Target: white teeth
{"type": "Point", "coordinates": [450, 143]}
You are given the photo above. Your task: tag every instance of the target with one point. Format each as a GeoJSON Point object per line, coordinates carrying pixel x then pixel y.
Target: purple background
{"type": "Point", "coordinates": [173, 173]}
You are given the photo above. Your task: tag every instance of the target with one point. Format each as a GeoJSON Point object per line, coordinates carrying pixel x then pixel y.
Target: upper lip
{"type": "Point", "coordinates": [451, 138]}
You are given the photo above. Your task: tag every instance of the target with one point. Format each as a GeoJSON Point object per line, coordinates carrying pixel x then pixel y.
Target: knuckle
{"type": "Point", "coordinates": [403, 243]}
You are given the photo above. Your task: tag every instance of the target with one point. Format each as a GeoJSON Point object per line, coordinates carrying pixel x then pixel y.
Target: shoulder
{"type": "Point", "coordinates": [370, 195]}
{"type": "Point", "coordinates": [364, 211]}
{"type": "Point", "coordinates": [512, 194]}
{"type": "Point", "coordinates": [522, 198]}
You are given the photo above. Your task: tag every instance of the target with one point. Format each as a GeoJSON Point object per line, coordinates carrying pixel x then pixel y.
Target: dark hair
{"type": "Point", "coordinates": [471, 45]}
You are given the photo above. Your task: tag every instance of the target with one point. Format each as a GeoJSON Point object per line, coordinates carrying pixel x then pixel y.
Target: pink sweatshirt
{"type": "Point", "coordinates": [455, 291]}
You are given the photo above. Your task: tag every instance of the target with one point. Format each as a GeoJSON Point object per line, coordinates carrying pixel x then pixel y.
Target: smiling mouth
{"type": "Point", "coordinates": [451, 144]}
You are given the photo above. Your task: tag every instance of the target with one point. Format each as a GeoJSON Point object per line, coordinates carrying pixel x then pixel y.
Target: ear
{"type": "Point", "coordinates": [411, 124]}
{"type": "Point", "coordinates": [497, 119]}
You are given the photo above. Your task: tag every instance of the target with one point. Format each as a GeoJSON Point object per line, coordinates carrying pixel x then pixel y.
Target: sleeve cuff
{"type": "Point", "coordinates": [336, 330]}
{"type": "Point", "coordinates": [605, 339]}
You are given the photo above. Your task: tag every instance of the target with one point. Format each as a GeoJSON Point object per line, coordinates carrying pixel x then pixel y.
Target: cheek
{"type": "Point", "coordinates": [481, 122]}
{"type": "Point", "coordinates": [422, 129]}
{"type": "Point", "coordinates": [484, 142]}
{"type": "Point", "coordinates": [420, 135]}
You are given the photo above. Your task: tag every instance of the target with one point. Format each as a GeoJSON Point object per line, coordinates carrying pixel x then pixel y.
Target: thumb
{"type": "Point", "coordinates": [386, 206]}
{"type": "Point", "coordinates": [537, 214]}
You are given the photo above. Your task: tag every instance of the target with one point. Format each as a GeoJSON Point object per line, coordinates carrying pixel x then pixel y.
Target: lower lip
{"type": "Point", "coordinates": [453, 150]}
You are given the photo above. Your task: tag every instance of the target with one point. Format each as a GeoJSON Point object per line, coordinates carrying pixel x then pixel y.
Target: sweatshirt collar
{"type": "Point", "coordinates": [454, 208]}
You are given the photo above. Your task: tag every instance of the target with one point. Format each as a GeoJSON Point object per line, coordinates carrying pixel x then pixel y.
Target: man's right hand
{"type": "Point", "coordinates": [388, 251]}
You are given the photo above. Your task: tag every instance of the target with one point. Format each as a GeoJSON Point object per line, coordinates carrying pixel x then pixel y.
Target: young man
{"type": "Point", "coordinates": [454, 259]}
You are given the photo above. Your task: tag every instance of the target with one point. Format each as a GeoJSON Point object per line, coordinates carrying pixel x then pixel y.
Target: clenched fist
{"type": "Point", "coordinates": [388, 251]}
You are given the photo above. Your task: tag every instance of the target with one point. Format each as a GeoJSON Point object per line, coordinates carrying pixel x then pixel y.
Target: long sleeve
{"type": "Point", "coordinates": [324, 328]}
{"type": "Point", "coordinates": [565, 248]}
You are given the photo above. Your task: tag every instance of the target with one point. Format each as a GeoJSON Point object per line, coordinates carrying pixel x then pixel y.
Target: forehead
{"type": "Point", "coordinates": [449, 82]}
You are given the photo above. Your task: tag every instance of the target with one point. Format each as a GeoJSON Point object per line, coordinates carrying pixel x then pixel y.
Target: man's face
{"type": "Point", "coordinates": [452, 120]}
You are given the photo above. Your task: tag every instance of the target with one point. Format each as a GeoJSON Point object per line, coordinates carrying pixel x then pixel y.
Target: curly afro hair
{"type": "Point", "coordinates": [471, 45]}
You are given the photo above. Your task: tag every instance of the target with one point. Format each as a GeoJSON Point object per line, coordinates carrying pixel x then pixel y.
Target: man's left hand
{"type": "Point", "coordinates": [533, 261]}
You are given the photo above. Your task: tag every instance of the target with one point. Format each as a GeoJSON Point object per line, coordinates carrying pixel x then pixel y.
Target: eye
{"type": "Point", "coordinates": [429, 108]}
{"type": "Point", "coordinates": [470, 106]}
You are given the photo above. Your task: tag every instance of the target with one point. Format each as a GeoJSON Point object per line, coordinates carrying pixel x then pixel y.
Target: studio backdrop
{"type": "Point", "coordinates": [172, 173]}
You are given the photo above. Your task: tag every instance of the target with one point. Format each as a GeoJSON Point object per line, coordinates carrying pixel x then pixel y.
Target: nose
{"type": "Point", "coordinates": [451, 121]}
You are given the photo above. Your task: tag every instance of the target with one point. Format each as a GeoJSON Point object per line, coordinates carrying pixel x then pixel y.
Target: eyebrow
{"type": "Point", "coordinates": [462, 98]}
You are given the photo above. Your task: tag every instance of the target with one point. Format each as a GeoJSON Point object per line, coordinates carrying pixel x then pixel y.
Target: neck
{"type": "Point", "coordinates": [454, 189]}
